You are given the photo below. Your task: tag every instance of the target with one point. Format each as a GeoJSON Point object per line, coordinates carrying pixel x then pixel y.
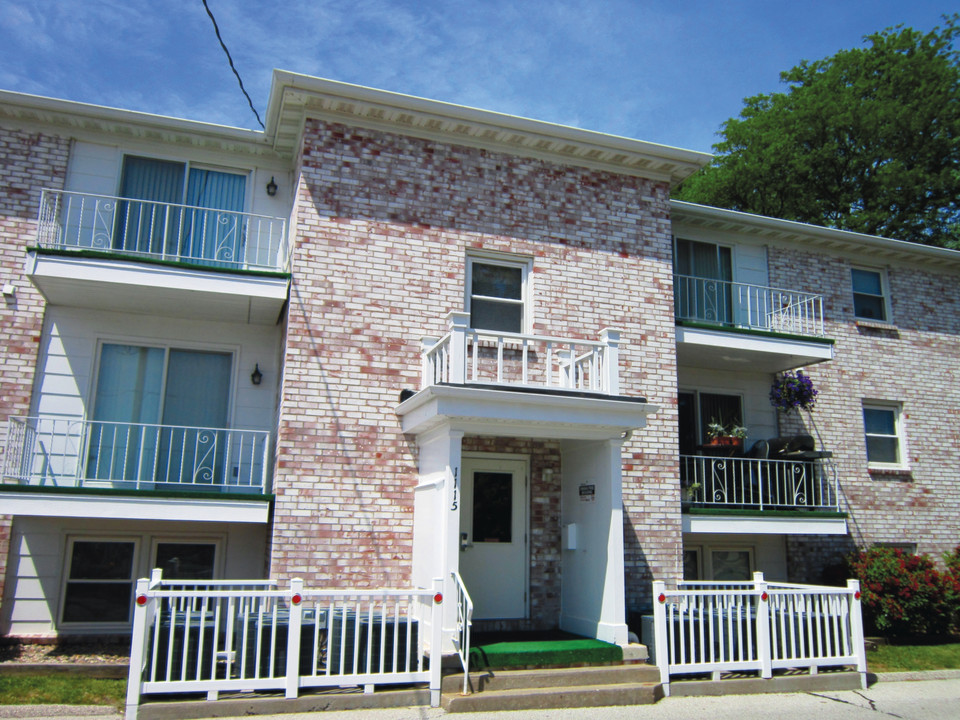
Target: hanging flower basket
{"type": "Point", "coordinates": [793, 390]}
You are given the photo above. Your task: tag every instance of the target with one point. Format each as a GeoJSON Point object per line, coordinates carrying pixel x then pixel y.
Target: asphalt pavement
{"type": "Point", "coordinates": [909, 700]}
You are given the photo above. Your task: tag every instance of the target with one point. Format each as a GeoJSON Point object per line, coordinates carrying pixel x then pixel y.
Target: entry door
{"type": "Point", "coordinates": [493, 536]}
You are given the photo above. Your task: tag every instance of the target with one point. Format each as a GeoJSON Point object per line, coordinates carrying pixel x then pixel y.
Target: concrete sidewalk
{"type": "Point", "coordinates": [909, 696]}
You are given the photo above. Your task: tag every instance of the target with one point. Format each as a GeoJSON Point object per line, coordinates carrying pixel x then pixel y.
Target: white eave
{"type": "Point", "coordinates": [764, 525]}
{"type": "Point", "coordinates": [495, 411]}
{"type": "Point", "coordinates": [294, 97]}
{"type": "Point", "coordinates": [768, 229]}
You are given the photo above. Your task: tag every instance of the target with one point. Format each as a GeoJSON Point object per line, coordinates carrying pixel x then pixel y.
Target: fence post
{"type": "Point", "coordinates": [764, 651]}
{"type": "Point", "coordinates": [428, 372]}
{"type": "Point", "coordinates": [436, 641]}
{"type": "Point", "coordinates": [610, 383]}
{"type": "Point", "coordinates": [661, 651]}
{"type": "Point", "coordinates": [143, 610]}
{"type": "Point", "coordinates": [856, 630]}
{"type": "Point", "coordinates": [293, 638]}
{"type": "Point", "coordinates": [458, 323]}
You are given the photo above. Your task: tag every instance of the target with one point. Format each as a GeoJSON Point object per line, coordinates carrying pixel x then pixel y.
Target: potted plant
{"type": "Point", "coordinates": [725, 435]}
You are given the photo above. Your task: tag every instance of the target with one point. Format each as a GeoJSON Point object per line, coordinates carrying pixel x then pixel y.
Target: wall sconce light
{"type": "Point", "coordinates": [272, 187]}
{"type": "Point", "coordinates": [256, 377]}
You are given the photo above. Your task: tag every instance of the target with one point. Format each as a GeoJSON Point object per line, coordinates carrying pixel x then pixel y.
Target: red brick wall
{"type": "Point", "coordinates": [913, 361]}
{"type": "Point", "coordinates": [382, 227]}
{"type": "Point", "coordinates": [29, 161]}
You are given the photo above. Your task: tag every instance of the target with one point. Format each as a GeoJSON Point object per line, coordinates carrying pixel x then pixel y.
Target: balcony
{"type": "Point", "coordinates": [726, 325]}
{"type": "Point", "coordinates": [100, 251]}
{"type": "Point", "coordinates": [74, 456]}
{"type": "Point", "coordinates": [538, 386]}
{"type": "Point", "coordinates": [799, 489]}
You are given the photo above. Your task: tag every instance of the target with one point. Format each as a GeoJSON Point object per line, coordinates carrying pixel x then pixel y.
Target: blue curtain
{"type": "Point", "coordinates": [211, 234]}
{"type": "Point", "coordinates": [146, 227]}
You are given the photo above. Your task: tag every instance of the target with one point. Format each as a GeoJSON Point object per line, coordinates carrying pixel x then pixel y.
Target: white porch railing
{"type": "Point", "coordinates": [722, 482]}
{"type": "Point", "coordinates": [464, 620]}
{"type": "Point", "coordinates": [703, 627]}
{"type": "Point", "coordinates": [465, 355]}
{"type": "Point", "coordinates": [219, 637]}
{"type": "Point", "coordinates": [162, 231]}
{"type": "Point", "coordinates": [748, 306]}
{"type": "Point", "coordinates": [74, 452]}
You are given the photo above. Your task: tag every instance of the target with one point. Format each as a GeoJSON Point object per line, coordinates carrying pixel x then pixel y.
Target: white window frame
{"type": "Point", "coordinates": [884, 296]}
{"type": "Point", "coordinates": [899, 434]}
{"type": "Point", "coordinates": [66, 579]}
{"type": "Point", "coordinates": [704, 553]}
{"type": "Point", "coordinates": [525, 265]}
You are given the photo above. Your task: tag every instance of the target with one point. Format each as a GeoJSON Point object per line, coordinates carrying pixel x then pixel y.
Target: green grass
{"type": "Point", "coordinates": [61, 690]}
{"type": "Point", "coordinates": [902, 658]}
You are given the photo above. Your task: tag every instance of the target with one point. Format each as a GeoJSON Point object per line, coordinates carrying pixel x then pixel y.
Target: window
{"type": "Point", "coordinates": [697, 410]}
{"type": "Point", "coordinates": [185, 560]}
{"type": "Point", "coordinates": [869, 302]}
{"type": "Point", "coordinates": [139, 389]}
{"type": "Point", "coordinates": [704, 276]}
{"type": "Point", "coordinates": [882, 428]}
{"type": "Point", "coordinates": [99, 584]}
{"type": "Point", "coordinates": [152, 227]}
{"type": "Point", "coordinates": [718, 563]}
{"type": "Point", "coordinates": [497, 294]}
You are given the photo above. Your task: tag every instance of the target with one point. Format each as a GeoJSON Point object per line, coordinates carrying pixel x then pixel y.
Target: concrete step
{"type": "Point", "coordinates": [574, 696]}
{"type": "Point", "coordinates": [495, 680]}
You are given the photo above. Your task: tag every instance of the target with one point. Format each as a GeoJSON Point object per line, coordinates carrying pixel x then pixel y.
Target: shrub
{"type": "Point", "coordinates": [903, 594]}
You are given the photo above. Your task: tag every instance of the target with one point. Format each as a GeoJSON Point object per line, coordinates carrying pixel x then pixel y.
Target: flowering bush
{"type": "Point", "coordinates": [793, 390]}
{"type": "Point", "coordinates": [903, 594]}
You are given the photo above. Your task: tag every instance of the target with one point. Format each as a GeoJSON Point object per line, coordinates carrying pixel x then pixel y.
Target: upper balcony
{"type": "Point", "coordinates": [735, 326]}
{"type": "Point", "coordinates": [160, 258]}
{"type": "Point", "coordinates": [91, 468]}
{"type": "Point", "coordinates": [492, 382]}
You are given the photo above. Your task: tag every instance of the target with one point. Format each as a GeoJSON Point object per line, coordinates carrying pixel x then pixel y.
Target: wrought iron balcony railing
{"type": "Point", "coordinates": [469, 356]}
{"type": "Point", "coordinates": [162, 231]}
{"type": "Point", "coordinates": [754, 307]}
{"type": "Point", "coordinates": [73, 452]}
{"type": "Point", "coordinates": [760, 484]}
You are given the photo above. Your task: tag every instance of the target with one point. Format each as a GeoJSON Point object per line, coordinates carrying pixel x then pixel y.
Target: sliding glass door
{"type": "Point", "coordinates": [703, 290]}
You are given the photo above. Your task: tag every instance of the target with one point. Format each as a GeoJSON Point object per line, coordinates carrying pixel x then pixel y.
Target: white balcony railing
{"type": "Point", "coordinates": [704, 627]}
{"type": "Point", "coordinates": [162, 231]}
{"type": "Point", "coordinates": [750, 483]}
{"type": "Point", "coordinates": [754, 307]}
{"type": "Point", "coordinates": [468, 356]}
{"type": "Point", "coordinates": [73, 452]}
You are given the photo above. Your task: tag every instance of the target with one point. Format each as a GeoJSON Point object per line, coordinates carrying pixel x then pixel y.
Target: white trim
{"type": "Point", "coordinates": [67, 566]}
{"type": "Point", "coordinates": [884, 296]}
{"type": "Point", "coordinates": [186, 509]}
{"type": "Point", "coordinates": [520, 262]}
{"type": "Point", "coordinates": [899, 433]}
{"type": "Point", "coordinates": [760, 525]}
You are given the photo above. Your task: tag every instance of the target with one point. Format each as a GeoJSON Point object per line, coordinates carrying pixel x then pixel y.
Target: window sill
{"type": "Point", "coordinates": [875, 324]}
{"type": "Point", "coordinates": [891, 473]}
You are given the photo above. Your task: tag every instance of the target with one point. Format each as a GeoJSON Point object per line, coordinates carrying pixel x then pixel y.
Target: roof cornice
{"type": "Point", "coordinates": [762, 228]}
{"type": "Point", "coordinates": [295, 97]}
{"type": "Point", "coordinates": [85, 120]}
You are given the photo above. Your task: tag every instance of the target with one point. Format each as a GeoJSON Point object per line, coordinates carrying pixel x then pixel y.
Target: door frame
{"type": "Point", "coordinates": [475, 460]}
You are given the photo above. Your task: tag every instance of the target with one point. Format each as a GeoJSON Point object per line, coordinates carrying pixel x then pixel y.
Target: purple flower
{"type": "Point", "coordinates": [793, 390]}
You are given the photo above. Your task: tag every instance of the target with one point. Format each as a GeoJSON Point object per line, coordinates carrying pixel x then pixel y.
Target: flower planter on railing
{"type": "Point", "coordinates": [469, 356]}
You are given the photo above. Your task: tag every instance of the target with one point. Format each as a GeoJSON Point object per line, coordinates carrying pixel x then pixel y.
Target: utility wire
{"type": "Point", "coordinates": [230, 59]}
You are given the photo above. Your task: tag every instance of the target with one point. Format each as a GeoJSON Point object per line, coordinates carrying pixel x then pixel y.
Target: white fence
{"type": "Point", "coordinates": [162, 231]}
{"type": "Point", "coordinates": [75, 452]}
{"type": "Point", "coordinates": [465, 355]}
{"type": "Point", "coordinates": [461, 640]}
{"type": "Point", "coordinates": [749, 306]}
{"type": "Point", "coordinates": [748, 483]}
{"type": "Point", "coordinates": [232, 636]}
{"type": "Point", "coordinates": [703, 627]}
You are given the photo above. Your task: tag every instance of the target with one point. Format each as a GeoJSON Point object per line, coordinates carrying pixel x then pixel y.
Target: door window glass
{"type": "Point", "coordinates": [186, 561]}
{"type": "Point", "coordinates": [492, 507]}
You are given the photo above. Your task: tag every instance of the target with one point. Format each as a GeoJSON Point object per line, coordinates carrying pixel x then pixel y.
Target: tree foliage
{"type": "Point", "coordinates": [866, 140]}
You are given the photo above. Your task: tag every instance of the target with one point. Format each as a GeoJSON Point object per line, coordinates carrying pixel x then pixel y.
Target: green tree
{"type": "Point", "coordinates": [866, 140]}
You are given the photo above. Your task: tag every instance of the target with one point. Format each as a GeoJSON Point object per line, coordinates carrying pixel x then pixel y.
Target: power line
{"type": "Point", "coordinates": [230, 59]}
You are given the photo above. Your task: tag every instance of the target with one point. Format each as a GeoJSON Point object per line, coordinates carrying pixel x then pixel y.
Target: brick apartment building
{"type": "Point", "coordinates": [389, 339]}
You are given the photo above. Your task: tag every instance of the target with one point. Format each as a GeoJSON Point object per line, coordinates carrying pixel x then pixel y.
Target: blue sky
{"type": "Point", "coordinates": [666, 72]}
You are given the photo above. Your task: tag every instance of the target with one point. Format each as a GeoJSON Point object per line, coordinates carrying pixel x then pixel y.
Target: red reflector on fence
{"type": "Point", "coordinates": [764, 597]}
{"type": "Point", "coordinates": [296, 599]}
{"type": "Point", "coordinates": [141, 599]}
{"type": "Point", "coordinates": [438, 598]}
{"type": "Point", "coordinates": [662, 598]}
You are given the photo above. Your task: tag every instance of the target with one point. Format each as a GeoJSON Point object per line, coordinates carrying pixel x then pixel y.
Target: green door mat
{"type": "Point", "coordinates": [583, 651]}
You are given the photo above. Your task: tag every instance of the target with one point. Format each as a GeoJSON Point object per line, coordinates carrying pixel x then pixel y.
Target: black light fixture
{"type": "Point", "coordinates": [272, 187]}
{"type": "Point", "coordinates": [256, 377]}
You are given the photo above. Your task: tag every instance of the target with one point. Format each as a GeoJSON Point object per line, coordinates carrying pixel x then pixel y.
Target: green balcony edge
{"type": "Point", "coordinates": [101, 255]}
{"type": "Point", "coordinates": [742, 512]}
{"type": "Point", "coordinates": [750, 331]}
{"type": "Point", "coordinates": [123, 492]}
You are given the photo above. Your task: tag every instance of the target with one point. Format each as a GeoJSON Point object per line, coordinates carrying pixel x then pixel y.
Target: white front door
{"type": "Point", "coordinates": [493, 536]}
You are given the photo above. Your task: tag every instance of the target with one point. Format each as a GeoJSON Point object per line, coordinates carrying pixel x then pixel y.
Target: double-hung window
{"type": "Point", "coordinates": [883, 429]}
{"type": "Point", "coordinates": [497, 293]}
{"type": "Point", "coordinates": [869, 298]}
